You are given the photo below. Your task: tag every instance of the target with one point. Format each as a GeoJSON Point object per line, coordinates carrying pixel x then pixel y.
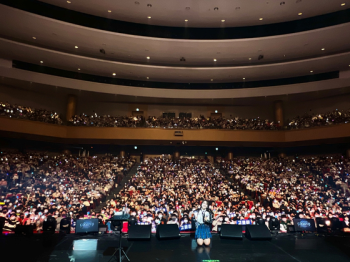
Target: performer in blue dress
{"type": "Point", "coordinates": [203, 218]}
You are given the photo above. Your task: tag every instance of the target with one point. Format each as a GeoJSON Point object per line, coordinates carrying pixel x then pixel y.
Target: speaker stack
{"type": "Point", "coordinates": [168, 231]}
{"type": "Point", "coordinates": [258, 232]}
{"type": "Point", "coordinates": [231, 231]}
{"type": "Point", "coordinates": [139, 232]}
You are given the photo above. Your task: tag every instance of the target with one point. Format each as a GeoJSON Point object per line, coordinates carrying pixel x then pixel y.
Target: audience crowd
{"type": "Point", "coordinates": [34, 114]}
{"type": "Point", "coordinates": [201, 122]}
{"type": "Point", "coordinates": [327, 119]}
{"type": "Point", "coordinates": [242, 191]}
{"type": "Point", "coordinates": [105, 121]}
{"type": "Point", "coordinates": [35, 186]}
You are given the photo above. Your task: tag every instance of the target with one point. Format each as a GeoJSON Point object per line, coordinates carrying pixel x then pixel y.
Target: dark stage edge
{"type": "Point", "coordinates": [282, 248]}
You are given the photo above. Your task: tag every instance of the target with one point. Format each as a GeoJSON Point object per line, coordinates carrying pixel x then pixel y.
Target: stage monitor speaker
{"type": "Point", "coordinates": [258, 232]}
{"type": "Point", "coordinates": [139, 232]}
{"type": "Point", "coordinates": [231, 231]}
{"type": "Point", "coordinates": [168, 231]}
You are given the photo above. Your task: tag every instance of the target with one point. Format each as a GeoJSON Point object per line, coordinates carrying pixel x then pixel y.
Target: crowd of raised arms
{"type": "Point", "coordinates": [35, 186]}
{"type": "Point", "coordinates": [201, 122]}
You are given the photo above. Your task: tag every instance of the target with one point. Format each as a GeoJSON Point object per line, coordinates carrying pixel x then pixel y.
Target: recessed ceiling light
{"type": "Point", "coordinates": [41, 62]}
{"type": "Point", "coordinates": [243, 78]}
{"type": "Point", "coordinates": [148, 57]}
{"type": "Point", "coordinates": [311, 71]}
{"type": "Point", "coordinates": [211, 79]}
{"type": "Point", "coordinates": [114, 74]}
{"type": "Point", "coordinates": [149, 17]}
{"type": "Point", "coordinates": [76, 46]}
{"type": "Point", "coordinates": [214, 59]}
{"type": "Point", "coordinates": [34, 37]}
{"type": "Point", "coordinates": [68, 2]}
{"type": "Point", "coordinates": [186, 20]}
{"type": "Point", "coordinates": [323, 49]}
{"type": "Point", "coordinates": [261, 19]}
{"type": "Point", "coordinates": [250, 58]}
{"type": "Point", "coordinates": [109, 11]}
{"type": "Point", "coordinates": [300, 13]}
{"type": "Point", "coordinates": [222, 20]}
{"type": "Point", "coordinates": [342, 4]}
{"type": "Point", "coordinates": [147, 77]}
{"type": "Point", "coordinates": [78, 69]}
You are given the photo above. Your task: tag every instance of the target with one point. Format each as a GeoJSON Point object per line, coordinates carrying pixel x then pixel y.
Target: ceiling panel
{"type": "Point", "coordinates": [61, 36]}
{"type": "Point", "coordinates": [203, 13]}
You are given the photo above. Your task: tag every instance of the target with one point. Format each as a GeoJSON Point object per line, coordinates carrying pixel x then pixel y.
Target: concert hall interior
{"type": "Point", "coordinates": [163, 130]}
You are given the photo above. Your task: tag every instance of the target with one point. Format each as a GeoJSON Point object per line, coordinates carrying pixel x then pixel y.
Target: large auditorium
{"type": "Point", "coordinates": [175, 130]}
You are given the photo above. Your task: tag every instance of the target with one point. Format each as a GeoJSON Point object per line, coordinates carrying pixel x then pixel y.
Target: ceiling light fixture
{"type": "Point", "coordinates": [148, 57]}
{"type": "Point", "coordinates": [78, 69]}
{"type": "Point", "coordinates": [261, 19]}
{"type": "Point", "coordinates": [147, 77]}
{"type": "Point", "coordinates": [186, 20]}
{"type": "Point", "coordinates": [300, 13]}
{"type": "Point", "coordinates": [34, 37]}
{"type": "Point", "coordinates": [68, 2]}
{"type": "Point", "coordinates": [342, 4]}
{"type": "Point", "coordinates": [76, 46]}
{"type": "Point", "coordinates": [214, 59]}
{"type": "Point", "coordinates": [114, 74]}
{"type": "Point", "coordinates": [41, 62]}
{"type": "Point", "coordinates": [250, 58]}
{"type": "Point", "coordinates": [222, 20]}
{"type": "Point", "coordinates": [109, 11]}
{"type": "Point", "coordinates": [243, 78]}
{"type": "Point", "coordinates": [311, 71]}
{"type": "Point", "coordinates": [211, 79]}
{"type": "Point", "coordinates": [323, 49]}
{"type": "Point", "coordinates": [149, 17]}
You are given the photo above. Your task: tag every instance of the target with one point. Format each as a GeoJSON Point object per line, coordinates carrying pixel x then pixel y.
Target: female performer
{"type": "Point", "coordinates": [203, 219]}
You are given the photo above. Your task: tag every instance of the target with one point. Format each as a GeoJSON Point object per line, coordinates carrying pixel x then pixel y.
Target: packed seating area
{"type": "Point", "coordinates": [201, 122]}
{"type": "Point", "coordinates": [36, 185]}
{"type": "Point", "coordinates": [33, 114]}
{"type": "Point", "coordinates": [105, 121]}
{"type": "Point", "coordinates": [311, 120]}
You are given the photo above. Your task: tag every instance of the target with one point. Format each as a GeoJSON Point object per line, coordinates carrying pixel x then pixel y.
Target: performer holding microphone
{"type": "Point", "coordinates": [203, 219]}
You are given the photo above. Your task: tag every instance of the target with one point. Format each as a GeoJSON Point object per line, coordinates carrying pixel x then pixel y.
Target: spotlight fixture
{"type": "Point", "coordinates": [300, 13]}
{"type": "Point", "coordinates": [222, 20]}
{"type": "Point", "coordinates": [250, 58]}
{"type": "Point", "coordinates": [41, 62]}
{"type": "Point", "coordinates": [34, 37]}
{"type": "Point", "coordinates": [214, 59]}
{"type": "Point", "coordinates": [114, 74]}
{"type": "Point", "coordinates": [76, 46]}
{"type": "Point", "coordinates": [137, 109]}
{"type": "Point", "coordinates": [149, 17]}
{"type": "Point", "coordinates": [216, 111]}
{"type": "Point", "coordinates": [311, 71]}
{"type": "Point", "coordinates": [261, 19]}
{"type": "Point", "coordinates": [147, 77]}
{"type": "Point", "coordinates": [135, 147]}
{"type": "Point", "coordinates": [69, 2]}
{"type": "Point", "coordinates": [216, 8]}
{"type": "Point", "coordinates": [148, 57]}
{"type": "Point", "coordinates": [211, 80]}
{"type": "Point", "coordinates": [217, 149]}
{"type": "Point", "coordinates": [186, 20]}
{"type": "Point", "coordinates": [109, 11]}
{"type": "Point", "coordinates": [78, 69]}
{"type": "Point", "coordinates": [243, 78]}
{"type": "Point", "coordinates": [323, 49]}
{"type": "Point", "coordinates": [342, 4]}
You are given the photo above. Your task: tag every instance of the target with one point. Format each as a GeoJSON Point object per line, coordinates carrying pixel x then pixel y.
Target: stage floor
{"type": "Point", "coordinates": [282, 248]}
